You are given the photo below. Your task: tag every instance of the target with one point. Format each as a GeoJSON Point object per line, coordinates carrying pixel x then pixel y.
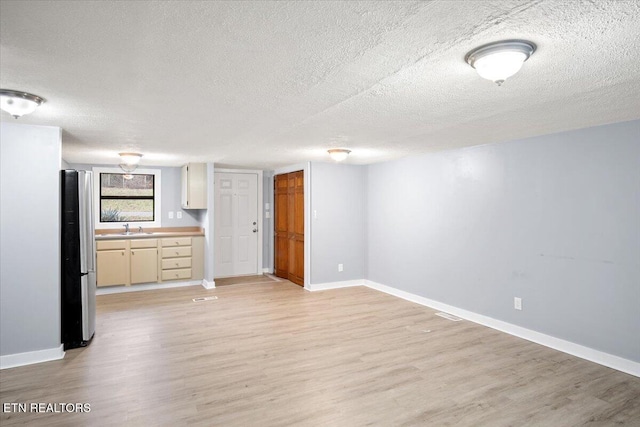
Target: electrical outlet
{"type": "Point", "coordinates": [170, 214]}
{"type": "Point", "coordinates": [179, 214]}
{"type": "Point", "coordinates": [315, 214]}
{"type": "Point", "coordinates": [517, 303]}
{"type": "Point", "coordinates": [340, 267]}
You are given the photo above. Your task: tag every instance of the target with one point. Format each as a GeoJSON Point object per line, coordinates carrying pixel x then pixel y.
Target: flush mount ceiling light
{"type": "Point", "coordinates": [338, 154]}
{"type": "Point", "coordinates": [129, 163]}
{"type": "Point", "coordinates": [130, 158]}
{"type": "Point", "coordinates": [500, 60]}
{"type": "Point", "coordinates": [18, 103]}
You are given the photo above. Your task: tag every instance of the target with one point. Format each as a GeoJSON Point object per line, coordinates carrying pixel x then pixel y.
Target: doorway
{"type": "Point", "coordinates": [289, 226]}
{"type": "Point", "coordinates": [237, 224]}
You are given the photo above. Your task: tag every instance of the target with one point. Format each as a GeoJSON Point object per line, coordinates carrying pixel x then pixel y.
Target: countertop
{"type": "Point", "coordinates": [150, 233]}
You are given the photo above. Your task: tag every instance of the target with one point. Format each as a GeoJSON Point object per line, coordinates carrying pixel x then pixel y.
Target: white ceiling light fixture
{"type": "Point", "coordinates": [129, 163]}
{"type": "Point", "coordinates": [130, 158]}
{"type": "Point", "coordinates": [500, 60]}
{"type": "Point", "coordinates": [18, 103]}
{"type": "Point", "coordinates": [339, 154]}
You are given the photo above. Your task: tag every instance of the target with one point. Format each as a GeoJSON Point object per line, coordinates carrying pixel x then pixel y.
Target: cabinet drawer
{"type": "Point", "coordinates": [170, 263]}
{"type": "Point", "coordinates": [177, 251]}
{"type": "Point", "coordinates": [184, 273]}
{"type": "Point", "coordinates": [144, 243]}
{"type": "Point", "coordinates": [176, 241]}
{"type": "Point", "coordinates": [107, 245]}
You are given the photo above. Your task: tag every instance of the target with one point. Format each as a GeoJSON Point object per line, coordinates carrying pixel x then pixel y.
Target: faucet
{"type": "Point", "coordinates": [126, 228]}
{"type": "Point", "coordinates": [140, 229]}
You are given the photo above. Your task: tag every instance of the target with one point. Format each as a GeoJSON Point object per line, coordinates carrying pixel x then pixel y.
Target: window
{"type": "Point", "coordinates": [126, 198]}
{"type": "Point", "coordinates": [120, 201]}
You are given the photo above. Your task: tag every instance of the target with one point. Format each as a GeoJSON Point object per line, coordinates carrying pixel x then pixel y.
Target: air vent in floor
{"type": "Point", "coordinates": [204, 299]}
{"type": "Point", "coordinates": [449, 316]}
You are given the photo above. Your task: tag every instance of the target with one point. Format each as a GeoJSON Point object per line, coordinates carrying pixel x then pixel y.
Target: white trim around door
{"type": "Point", "coordinates": [260, 221]}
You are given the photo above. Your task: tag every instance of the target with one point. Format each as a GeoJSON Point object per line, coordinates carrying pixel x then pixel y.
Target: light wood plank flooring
{"type": "Point", "coordinates": [246, 280]}
{"type": "Point", "coordinates": [275, 355]}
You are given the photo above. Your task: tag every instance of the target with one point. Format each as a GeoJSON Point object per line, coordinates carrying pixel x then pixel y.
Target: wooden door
{"type": "Point", "coordinates": [281, 245]}
{"type": "Point", "coordinates": [289, 226]}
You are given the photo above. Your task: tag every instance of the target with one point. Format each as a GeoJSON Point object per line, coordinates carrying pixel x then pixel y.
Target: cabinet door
{"type": "Point", "coordinates": [144, 265]}
{"type": "Point", "coordinates": [112, 268]}
{"type": "Point", "coordinates": [194, 186]}
{"type": "Point", "coordinates": [185, 187]}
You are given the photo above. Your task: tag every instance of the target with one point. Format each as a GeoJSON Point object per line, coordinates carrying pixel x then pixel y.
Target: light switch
{"type": "Point", "coordinates": [179, 214]}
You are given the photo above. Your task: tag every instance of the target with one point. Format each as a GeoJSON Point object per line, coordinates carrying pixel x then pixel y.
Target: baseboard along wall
{"type": "Point", "coordinates": [31, 357]}
{"type": "Point", "coordinates": [147, 287]}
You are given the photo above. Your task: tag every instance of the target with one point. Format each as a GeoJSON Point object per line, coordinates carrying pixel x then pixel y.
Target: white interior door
{"type": "Point", "coordinates": [236, 224]}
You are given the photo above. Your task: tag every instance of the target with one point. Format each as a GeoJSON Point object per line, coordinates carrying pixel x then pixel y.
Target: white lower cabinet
{"type": "Point", "coordinates": [112, 263]}
{"type": "Point", "coordinates": [144, 261]}
{"type": "Point", "coordinates": [176, 256]}
{"type": "Point", "coordinates": [112, 267]}
{"type": "Point", "coordinates": [132, 261]}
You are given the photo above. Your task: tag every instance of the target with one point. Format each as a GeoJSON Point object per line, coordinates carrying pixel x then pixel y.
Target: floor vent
{"type": "Point", "coordinates": [204, 299]}
{"type": "Point", "coordinates": [449, 316]}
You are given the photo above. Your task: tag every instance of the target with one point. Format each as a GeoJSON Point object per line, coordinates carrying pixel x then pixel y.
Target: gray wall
{"type": "Point", "coordinates": [338, 198]}
{"type": "Point", "coordinates": [554, 220]}
{"type": "Point", "coordinates": [171, 196]}
{"type": "Point", "coordinates": [208, 224]}
{"type": "Point", "coordinates": [29, 238]}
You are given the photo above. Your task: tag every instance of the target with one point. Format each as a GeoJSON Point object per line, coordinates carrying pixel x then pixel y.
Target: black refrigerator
{"type": "Point", "coordinates": [78, 284]}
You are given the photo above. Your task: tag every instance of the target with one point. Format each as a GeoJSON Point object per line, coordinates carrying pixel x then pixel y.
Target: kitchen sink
{"type": "Point", "coordinates": [135, 233]}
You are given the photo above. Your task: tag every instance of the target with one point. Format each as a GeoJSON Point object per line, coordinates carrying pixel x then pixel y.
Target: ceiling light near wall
{"type": "Point", "coordinates": [130, 158]}
{"type": "Point", "coordinates": [500, 60]}
{"type": "Point", "coordinates": [129, 163]}
{"type": "Point", "coordinates": [339, 154]}
{"type": "Point", "coordinates": [18, 103]}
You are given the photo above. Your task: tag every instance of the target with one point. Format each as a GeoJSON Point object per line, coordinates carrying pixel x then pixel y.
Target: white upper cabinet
{"type": "Point", "coordinates": [194, 186]}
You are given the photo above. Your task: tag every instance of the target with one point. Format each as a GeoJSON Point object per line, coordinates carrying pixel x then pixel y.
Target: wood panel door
{"type": "Point", "coordinates": [289, 226]}
{"type": "Point", "coordinates": [281, 245]}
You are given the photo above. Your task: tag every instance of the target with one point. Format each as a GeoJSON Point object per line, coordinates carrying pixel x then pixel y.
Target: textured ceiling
{"type": "Point", "coordinates": [268, 84]}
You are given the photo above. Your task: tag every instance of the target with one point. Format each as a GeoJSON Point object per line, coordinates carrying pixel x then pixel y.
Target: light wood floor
{"type": "Point", "coordinates": [246, 280]}
{"type": "Point", "coordinates": [275, 355]}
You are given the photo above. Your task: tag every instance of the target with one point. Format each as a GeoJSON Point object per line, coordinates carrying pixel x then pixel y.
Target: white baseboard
{"type": "Point", "coordinates": [587, 353]}
{"type": "Point", "coordinates": [334, 285]}
{"type": "Point", "coordinates": [145, 287]}
{"type": "Point", "coordinates": [208, 284]}
{"type": "Point", "coordinates": [267, 270]}
{"type": "Point", "coordinates": [31, 357]}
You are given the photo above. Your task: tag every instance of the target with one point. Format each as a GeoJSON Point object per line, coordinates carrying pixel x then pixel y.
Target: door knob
{"type": "Point", "coordinates": [255, 230]}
